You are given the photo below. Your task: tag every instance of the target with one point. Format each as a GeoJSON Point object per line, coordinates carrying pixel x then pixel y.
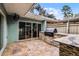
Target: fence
{"type": "Point", "coordinates": [62, 28]}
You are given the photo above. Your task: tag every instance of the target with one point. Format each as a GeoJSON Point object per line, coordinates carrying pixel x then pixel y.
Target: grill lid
{"type": "Point", "coordinates": [51, 30]}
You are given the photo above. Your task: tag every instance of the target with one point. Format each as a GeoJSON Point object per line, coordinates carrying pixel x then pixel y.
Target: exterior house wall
{"type": "Point", "coordinates": [12, 29]}
{"type": "Point", "coordinates": [43, 26]}
{"type": "Point", "coordinates": [1, 31]}
{"type": "Point", "coordinates": [4, 26]}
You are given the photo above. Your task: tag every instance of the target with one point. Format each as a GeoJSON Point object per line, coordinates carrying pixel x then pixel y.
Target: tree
{"type": "Point", "coordinates": [51, 16]}
{"type": "Point", "coordinates": [67, 11]}
{"type": "Point", "coordinates": [39, 9]}
{"type": "Point", "coordinates": [42, 11]}
{"type": "Point", "coordinates": [36, 7]}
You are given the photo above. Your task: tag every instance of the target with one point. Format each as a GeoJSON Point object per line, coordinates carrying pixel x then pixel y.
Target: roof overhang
{"type": "Point", "coordinates": [71, 19]}
{"type": "Point", "coordinates": [19, 8]}
{"type": "Point", "coordinates": [22, 9]}
{"type": "Point", "coordinates": [34, 17]}
{"type": "Point", "coordinates": [39, 17]}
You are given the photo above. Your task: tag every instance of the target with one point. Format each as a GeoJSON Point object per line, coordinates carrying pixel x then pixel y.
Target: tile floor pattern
{"type": "Point", "coordinates": [30, 48]}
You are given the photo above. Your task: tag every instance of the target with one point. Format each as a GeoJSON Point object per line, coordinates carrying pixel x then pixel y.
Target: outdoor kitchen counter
{"type": "Point", "coordinates": [68, 45]}
{"type": "Point", "coordinates": [70, 39]}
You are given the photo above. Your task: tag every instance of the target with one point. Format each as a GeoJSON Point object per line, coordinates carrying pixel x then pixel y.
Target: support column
{"type": "Point", "coordinates": [68, 27]}
{"type": "Point", "coordinates": [31, 31]}
{"type": "Point", "coordinates": [45, 25]}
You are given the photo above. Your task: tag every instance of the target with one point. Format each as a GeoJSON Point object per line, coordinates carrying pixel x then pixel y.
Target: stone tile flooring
{"type": "Point", "coordinates": [30, 48]}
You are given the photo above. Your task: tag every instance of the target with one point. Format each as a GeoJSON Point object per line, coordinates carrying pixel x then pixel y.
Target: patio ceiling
{"type": "Point", "coordinates": [19, 8]}
{"type": "Point", "coordinates": [22, 10]}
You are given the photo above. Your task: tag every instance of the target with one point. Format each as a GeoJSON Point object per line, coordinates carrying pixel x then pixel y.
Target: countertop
{"type": "Point", "coordinates": [70, 39]}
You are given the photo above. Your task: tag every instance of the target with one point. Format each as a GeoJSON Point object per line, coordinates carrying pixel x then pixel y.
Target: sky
{"type": "Point", "coordinates": [55, 8]}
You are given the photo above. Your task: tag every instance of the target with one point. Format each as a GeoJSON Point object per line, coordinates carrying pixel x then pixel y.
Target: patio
{"type": "Point", "coordinates": [30, 48]}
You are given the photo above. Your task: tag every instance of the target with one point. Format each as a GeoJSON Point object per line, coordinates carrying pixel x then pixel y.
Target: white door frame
{"type": "Point", "coordinates": [4, 21]}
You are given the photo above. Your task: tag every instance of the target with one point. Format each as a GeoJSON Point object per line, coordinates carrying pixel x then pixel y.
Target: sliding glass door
{"type": "Point", "coordinates": [28, 30]}
{"type": "Point", "coordinates": [24, 30]}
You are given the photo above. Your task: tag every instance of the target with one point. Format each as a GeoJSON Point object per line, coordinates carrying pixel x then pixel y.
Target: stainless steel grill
{"type": "Point", "coordinates": [50, 32]}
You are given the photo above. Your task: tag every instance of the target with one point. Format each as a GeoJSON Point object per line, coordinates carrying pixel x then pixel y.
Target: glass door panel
{"type": "Point", "coordinates": [34, 30]}
{"type": "Point", "coordinates": [21, 30]}
{"type": "Point", "coordinates": [39, 29]}
{"type": "Point", "coordinates": [28, 30]}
